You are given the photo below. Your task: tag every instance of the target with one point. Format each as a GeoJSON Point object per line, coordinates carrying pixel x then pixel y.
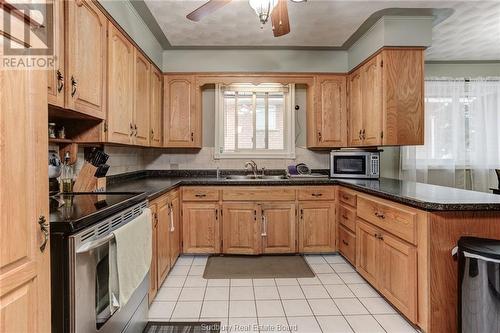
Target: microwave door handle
{"type": "Point", "coordinates": [94, 244]}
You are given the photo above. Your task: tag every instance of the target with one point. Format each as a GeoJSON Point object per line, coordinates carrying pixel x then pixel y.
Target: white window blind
{"type": "Point", "coordinates": [254, 121]}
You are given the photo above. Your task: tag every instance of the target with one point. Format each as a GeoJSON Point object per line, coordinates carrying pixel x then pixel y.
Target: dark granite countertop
{"type": "Point", "coordinates": [419, 195]}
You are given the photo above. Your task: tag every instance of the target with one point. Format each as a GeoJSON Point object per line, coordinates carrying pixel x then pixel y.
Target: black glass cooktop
{"type": "Point", "coordinates": [73, 212]}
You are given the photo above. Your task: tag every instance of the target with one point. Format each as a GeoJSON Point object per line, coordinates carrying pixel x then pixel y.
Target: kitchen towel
{"type": "Point", "coordinates": [130, 258]}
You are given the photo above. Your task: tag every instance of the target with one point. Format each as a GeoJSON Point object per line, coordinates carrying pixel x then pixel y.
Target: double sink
{"type": "Point", "coordinates": [254, 177]}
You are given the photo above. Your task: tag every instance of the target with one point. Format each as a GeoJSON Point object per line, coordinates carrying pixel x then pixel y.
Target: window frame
{"type": "Point", "coordinates": [288, 124]}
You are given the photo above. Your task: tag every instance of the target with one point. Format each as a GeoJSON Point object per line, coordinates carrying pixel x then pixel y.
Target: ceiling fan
{"type": "Point", "coordinates": [277, 10]}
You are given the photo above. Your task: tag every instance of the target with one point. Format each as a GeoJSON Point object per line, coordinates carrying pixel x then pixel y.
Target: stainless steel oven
{"type": "Point", "coordinates": [355, 164]}
{"type": "Point", "coordinates": [89, 297]}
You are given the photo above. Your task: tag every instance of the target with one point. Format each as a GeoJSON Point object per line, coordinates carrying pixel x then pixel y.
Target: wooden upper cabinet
{"type": "Point", "coordinates": [355, 109]}
{"type": "Point", "coordinates": [25, 269]}
{"type": "Point", "coordinates": [200, 227]}
{"type": "Point", "coordinates": [85, 42]}
{"type": "Point", "coordinates": [182, 117]}
{"type": "Point", "coordinates": [316, 226]}
{"type": "Point", "coordinates": [328, 123]}
{"type": "Point", "coordinates": [241, 234]}
{"type": "Point", "coordinates": [278, 228]}
{"type": "Point", "coordinates": [371, 87]}
{"type": "Point", "coordinates": [142, 110]}
{"type": "Point", "coordinates": [56, 76]}
{"type": "Point", "coordinates": [155, 100]}
{"type": "Point", "coordinates": [403, 96]}
{"type": "Point", "coordinates": [120, 88]}
{"type": "Point", "coordinates": [386, 99]}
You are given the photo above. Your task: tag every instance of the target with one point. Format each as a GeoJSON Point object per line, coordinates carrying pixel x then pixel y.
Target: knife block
{"type": "Point", "coordinates": [86, 181]}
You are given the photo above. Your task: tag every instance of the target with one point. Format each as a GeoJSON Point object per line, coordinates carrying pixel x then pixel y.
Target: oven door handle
{"type": "Point", "coordinates": [94, 244]}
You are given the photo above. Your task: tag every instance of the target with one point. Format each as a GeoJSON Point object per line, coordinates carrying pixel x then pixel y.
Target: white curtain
{"type": "Point", "coordinates": [462, 140]}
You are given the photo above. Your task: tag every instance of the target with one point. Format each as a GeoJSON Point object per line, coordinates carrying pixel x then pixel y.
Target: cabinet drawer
{"type": "Point", "coordinates": [200, 194]}
{"type": "Point", "coordinates": [347, 244]}
{"type": "Point", "coordinates": [347, 217]}
{"type": "Point", "coordinates": [347, 197]}
{"type": "Point", "coordinates": [316, 193]}
{"type": "Point", "coordinates": [394, 218]}
{"type": "Point", "coordinates": [258, 194]}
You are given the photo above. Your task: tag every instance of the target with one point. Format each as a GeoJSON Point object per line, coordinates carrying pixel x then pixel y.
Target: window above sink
{"type": "Point", "coordinates": [254, 121]}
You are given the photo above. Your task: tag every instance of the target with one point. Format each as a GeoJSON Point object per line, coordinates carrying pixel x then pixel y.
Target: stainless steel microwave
{"type": "Point", "coordinates": [354, 164]}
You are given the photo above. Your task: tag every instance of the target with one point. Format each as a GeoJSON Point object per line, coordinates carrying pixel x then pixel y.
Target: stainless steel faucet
{"type": "Point", "coordinates": [253, 165]}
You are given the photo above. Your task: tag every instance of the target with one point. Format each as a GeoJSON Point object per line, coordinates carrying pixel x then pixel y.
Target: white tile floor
{"type": "Point", "coordinates": [337, 300]}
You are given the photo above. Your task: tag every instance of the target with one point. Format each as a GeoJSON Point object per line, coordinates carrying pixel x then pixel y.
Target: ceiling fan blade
{"type": "Point", "coordinates": [206, 9]}
{"type": "Point", "coordinates": [279, 18]}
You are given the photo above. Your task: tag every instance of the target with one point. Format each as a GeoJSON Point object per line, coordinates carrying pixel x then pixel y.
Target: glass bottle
{"type": "Point", "coordinates": [67, 175]}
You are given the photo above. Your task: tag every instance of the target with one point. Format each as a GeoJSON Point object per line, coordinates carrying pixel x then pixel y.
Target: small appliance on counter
{"type": "Point", "coordinates": [55, 170]}
{"type": "Point", "coordinates": [355, 163]}
{"type": "Point", "coordinates": [301, 170]}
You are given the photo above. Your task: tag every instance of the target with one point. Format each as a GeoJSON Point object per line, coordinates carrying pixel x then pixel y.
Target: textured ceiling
{"type": "Point", "coordinates": [472, 32]}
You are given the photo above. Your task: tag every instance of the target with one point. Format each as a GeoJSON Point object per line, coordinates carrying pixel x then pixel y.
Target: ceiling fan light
{"type": "Point", "coordinates": [263, 8]}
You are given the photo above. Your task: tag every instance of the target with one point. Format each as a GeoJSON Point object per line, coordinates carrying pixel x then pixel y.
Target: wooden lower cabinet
{"type": "Point", "coordinates": [153, 285]}
{"type": "Point", "coordinates": [316, 227]}
{"type": "Point", "coordinates": [398, 280]}
{"type": "Point", "coordinates": [367, 252]}
{"type": "Point", "coordinates": [241, 228]}
{"type": "Point", "coordinates": [200, 227]}
{"type": "Point", "coordinates": [175, 228]}
{"type": "Point", "coordinates": [278, 228]}
{"type": "Point", "coordinates": [347, 244]}
{"type": "Point", "coordinates": [163, 240]}
{"type": "Point", "coordinates": [390, 265]}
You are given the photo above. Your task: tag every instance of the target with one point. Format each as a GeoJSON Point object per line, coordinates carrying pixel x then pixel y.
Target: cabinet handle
{"type": "Point", "coordinates": [135, 127]}
{"type": "Point", "coordinates": [264, 225]}
{"type": "Point", "coordinates": [380, 215]}
{"type": "Point", "coordinates": [359, 135]}
{"type": "Point", "coordinates": [131, 129]}
{"type": "Point", "coordinates": [44, 227]}
{"type": "Point", "coordinates": [60, 81]}
{"type": "Point", "coordinates": [192, 136]}
{"type": "Point", "coordinates": [363, 134]}
{"type": "Point", "coordinates": [152, 134]}
{"type": "Point", "coordinates": [73, 86]}
{"type": "Point", "coordinates": [171, 214]}
{"type": "Point", "coordinates": [345, 243]}
{"type": "Point", "coordinates": [345, 197]}
{"type": "Point", "coordinates": [381, 237]}
{"type": "Point", "coordinates": [316, 194]}
{"type": "Point", "coordinates": [255, 215]}
{"type": "Point", "coordinates": [345, 217]}
{"type": "Point", "coordinates": [301, 214]}
{"type": "Point", "coordinates": [320, 137]}
{"type": "Point", "coordinates": [216, 214]}
{"type": "Point", "coordinates": [200, 195]}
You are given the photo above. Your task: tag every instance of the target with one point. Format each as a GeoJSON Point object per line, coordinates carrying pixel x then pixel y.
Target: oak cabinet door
{"type": "Point", "coordinates": [25, 268]}
{"type": "Point", "coordinates": [355, 109]}
{"type": "Point", "coordinates": [278, 225]}
{"type": "Point", "coordinates": [200, 227]}
{"type": "Point", "coordinates": [120, 87]}
{"type": "Point", "coordinates": [153, 286]}
{"type": "Point", "coordinates": [141, 99]}
{"type": "Point", "coordinates": [155, 100]}
{"type": "Point", "coordinates": [240, 228]}
{"type": "Point", "coordinates": [85, 54]}
{"type": "Point", "coordinates": [398, 280]}
{"type": "Point", "coordinates": [371, 87]}
{"type": "Point", "coordinates": [331, 111]}
{"type": "Point", "coordinates": [174, 227]}
{"type": "Point", "coordinates": [56, 75]}
{"type": "Point", "coordinates": [316, 227]}
{"type": "Point", "coordinates": [182, 122]}
{"type": "Point", "coordinates": [367, 252]}
{"type": "Point", "coordinates": [163, 241]}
